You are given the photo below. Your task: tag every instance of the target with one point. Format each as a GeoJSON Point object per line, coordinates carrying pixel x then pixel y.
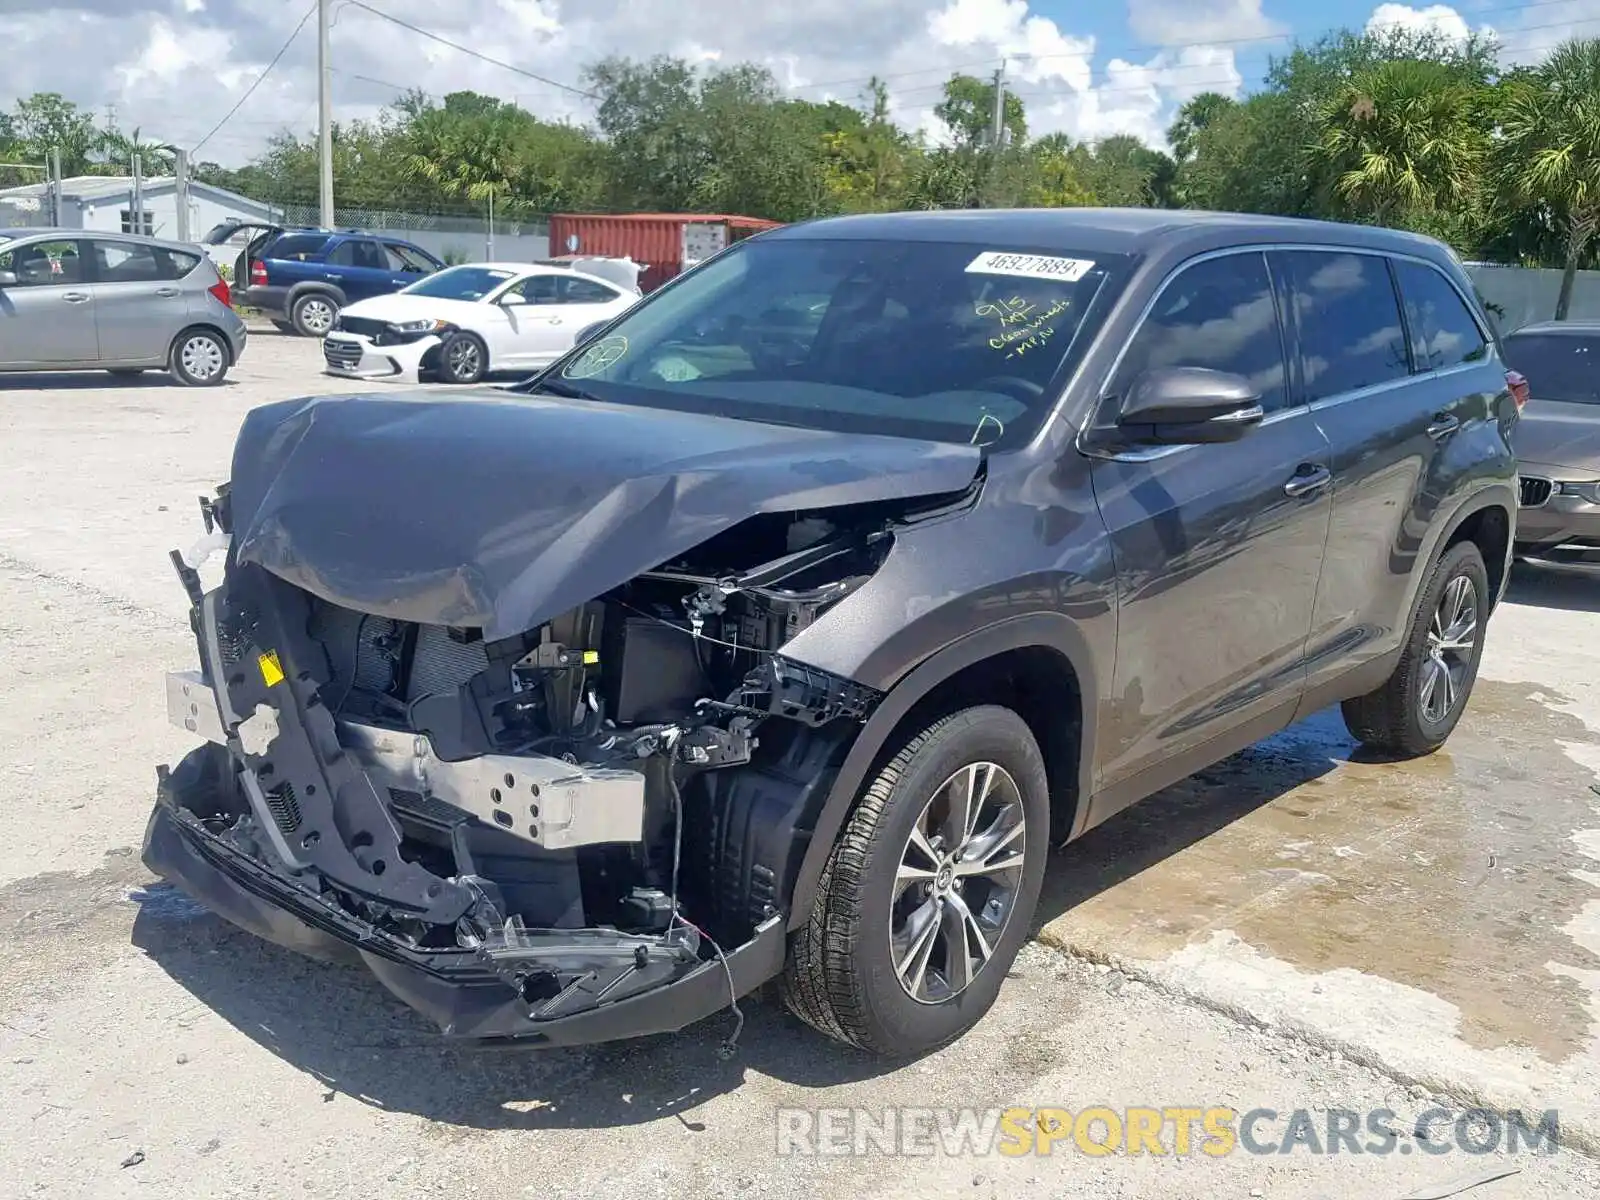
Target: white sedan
{"type": "Point", "coordinates": [463, 322]}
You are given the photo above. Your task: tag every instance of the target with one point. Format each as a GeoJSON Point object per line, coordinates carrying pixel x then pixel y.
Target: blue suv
{"type": "Point", "coordinates": [301, 278]}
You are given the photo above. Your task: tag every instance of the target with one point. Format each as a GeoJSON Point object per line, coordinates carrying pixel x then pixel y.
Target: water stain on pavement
{"type": "Point", "coordinates": [1454, 874]}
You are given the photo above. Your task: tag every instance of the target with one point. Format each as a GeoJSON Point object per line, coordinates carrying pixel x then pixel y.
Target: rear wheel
{"type": "Point", "coordinates": [313, 314]}
{"type": "Point", "coordinates": [199, 358]}
{"type": "Point", "coordinates": [1419, 705]}
{"type": "Point", "coordinates": [462, 358]}
{"type": "Point", "coordinates": [930, 890]}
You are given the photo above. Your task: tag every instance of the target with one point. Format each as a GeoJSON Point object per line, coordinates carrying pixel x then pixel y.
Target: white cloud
{"type": "Point", "coordinates": [173, 67]}
{"type": "Point", "coordinates": [1440, 18]}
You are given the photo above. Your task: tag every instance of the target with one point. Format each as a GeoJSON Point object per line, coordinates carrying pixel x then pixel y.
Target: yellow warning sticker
{"type": "Point", "coordinates": [271, 668]}
{"type": "Point", "coordinates": [591, 657]}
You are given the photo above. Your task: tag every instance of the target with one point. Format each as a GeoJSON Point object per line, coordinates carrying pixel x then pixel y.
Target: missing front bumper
{"type": "Point", "coordinates": [471, 994]}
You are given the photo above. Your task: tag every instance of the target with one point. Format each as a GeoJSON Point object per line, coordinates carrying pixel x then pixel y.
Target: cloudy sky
{"type": "Point", "coordinates": [174, 67]}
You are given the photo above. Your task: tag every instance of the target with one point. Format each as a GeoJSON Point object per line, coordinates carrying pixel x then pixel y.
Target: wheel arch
{"type": "Point", "coordinates": [1489, 522]}
{"type": "Point", "coordinates": [201, 327]}
{"type": "Point", "coordinates": [331, 290]}
{"type": "Point", "coordinates": [1038, 665]}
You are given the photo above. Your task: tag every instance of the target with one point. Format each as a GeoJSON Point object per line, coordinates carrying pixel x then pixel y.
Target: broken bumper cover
{"type": "Point", "coordinates": [461, 991]}
{"type": "Point", "coordinates": [352, 356]}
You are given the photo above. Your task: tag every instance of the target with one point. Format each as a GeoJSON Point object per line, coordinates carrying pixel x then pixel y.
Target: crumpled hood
{"type": "Point", "coordinates": [1558, 434]}
{"type": "Point", "coordinates": [484, 509]}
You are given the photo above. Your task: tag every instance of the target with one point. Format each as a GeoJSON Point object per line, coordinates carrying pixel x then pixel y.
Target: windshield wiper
{"type": "Point", "coordinates": [555, 387]}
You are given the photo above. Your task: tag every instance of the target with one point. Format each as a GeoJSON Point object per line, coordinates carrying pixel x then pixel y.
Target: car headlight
{"type": "Point", "coordinates": [1583, 491]}
{"type": "Point", "coordinates": [412, 328]}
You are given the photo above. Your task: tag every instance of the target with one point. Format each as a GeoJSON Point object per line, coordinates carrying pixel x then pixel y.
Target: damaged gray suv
{"type": "Point", "coordinates": [778, 630]}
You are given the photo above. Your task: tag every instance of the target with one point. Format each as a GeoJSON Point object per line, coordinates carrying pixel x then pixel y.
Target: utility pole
{"type": "Point", "coordinates": [997, 132]}
{"type": "Point", "coordinates": [180, 193]}
{"type": "Point", "coordinates": [55, 187]}
{"type": "Point", "coordinates": [138, 196]}
{"type": "Point", "coordinates": [325, 116]}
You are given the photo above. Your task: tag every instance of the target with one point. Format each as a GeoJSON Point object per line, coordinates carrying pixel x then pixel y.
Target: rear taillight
{"type": "Point", "coordinates": [221, 291]}
{"type": "Point", "coordinates": [258, 274]}
{"type": "Point", "coordinates": [1519, 388]}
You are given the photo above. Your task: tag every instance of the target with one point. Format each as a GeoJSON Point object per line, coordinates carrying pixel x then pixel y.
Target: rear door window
{"type": "Point", "coordinates": [1348, 318]}
{"type": "Point", "coordinates": [1220, 314]}
{"type": "Point", "coordinates": [1444, 333]}
{"type": "Point", "coordinates": [584, 291]}
{"type": "Point", "coordinates": [126, 262]}
{"type": "Point", "coordinates": [1557, 366]}
{"type": "Point", "coordinates": [297, 246]}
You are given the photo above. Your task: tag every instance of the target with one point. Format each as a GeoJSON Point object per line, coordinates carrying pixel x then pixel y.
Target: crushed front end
{"type": "Point", "coordinates": [583, 831]}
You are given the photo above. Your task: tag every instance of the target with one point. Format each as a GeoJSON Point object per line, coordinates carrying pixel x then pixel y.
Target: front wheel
{"type": "Point", "coordinates": [1418, 706]}
{"type": "Point", "coordinates": [463, 358]}
{"type": "Point", "coordinates": [930, 890]}
{"type": "Point", "coordinates": [199, 358]}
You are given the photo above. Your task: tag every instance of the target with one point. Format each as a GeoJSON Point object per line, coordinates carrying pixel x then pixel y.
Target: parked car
{"type": "Point", "coordinates": [1558, 441]}
{"type": "Point", "coordinates": [301, 278]}
{"type": "Point", "coordinates": [782, 628]}
{"type": "Point", "coordinates": [468, 320]}
{"type": "Point", "coordinates": [78, 300]}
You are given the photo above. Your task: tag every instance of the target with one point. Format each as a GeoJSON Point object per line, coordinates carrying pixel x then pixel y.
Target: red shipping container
{"type": "Point", "coordinates": [659, 241]}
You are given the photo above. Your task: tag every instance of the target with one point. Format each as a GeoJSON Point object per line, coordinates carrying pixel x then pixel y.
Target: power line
{"type": "Point", "coordinates": [250, 91]}
{"type": "Point", "coordinates": [443, 41]}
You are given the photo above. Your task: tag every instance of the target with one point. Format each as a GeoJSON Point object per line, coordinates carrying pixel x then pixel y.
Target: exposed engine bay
{"type": "Point", "coordinates": [574, 806]}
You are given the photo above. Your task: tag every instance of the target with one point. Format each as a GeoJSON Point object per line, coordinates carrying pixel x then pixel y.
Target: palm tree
{"type": "Point", "coordinates": [114, 149]}
{"type": "Point", "coordinates": [1402, 137]}
{"type": "Point", "coordinates": [1548, 153]}
{"type": "Point", "coordinates": [1196, 114]}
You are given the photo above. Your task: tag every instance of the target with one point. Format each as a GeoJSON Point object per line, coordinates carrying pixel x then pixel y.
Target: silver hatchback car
{"type": "Point", "coordinates": [76, 300]}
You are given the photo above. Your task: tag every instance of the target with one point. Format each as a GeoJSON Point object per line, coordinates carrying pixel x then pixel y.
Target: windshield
{"type": "Point", "coordinates": [955, 342]}
{"type": "Point", "coordinates": [460, 283]}
{"type": "Point", "coordinates": [1557, 366]}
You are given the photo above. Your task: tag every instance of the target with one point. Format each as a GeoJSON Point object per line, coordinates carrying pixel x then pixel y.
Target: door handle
{"type": "Point", "coordinates": [76, 297]}
{"type": "Point", "coordinates": [555, 320]}
{"type": "Point", "coordinates": [1307, 481]}
{"type": "Point", "coordinates": [167, 291]}
{"type": "Point", "coordinates": [1444, 424]}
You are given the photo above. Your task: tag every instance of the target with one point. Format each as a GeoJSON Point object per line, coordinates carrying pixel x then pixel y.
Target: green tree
{"type": "Point", "coordinates": [1196, 116]}
{"type": "Point", "coordinates": [1549, 149]}
{"type": "Point", "coordinates": [967, 111]}
{"type": "Point", "coordinates": [47, 121]}
{"type": "Point", "coordinates": [1403, 138]}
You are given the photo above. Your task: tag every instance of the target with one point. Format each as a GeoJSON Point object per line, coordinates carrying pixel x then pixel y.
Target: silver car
{"type": "Point", "coordinates": [75, 300]}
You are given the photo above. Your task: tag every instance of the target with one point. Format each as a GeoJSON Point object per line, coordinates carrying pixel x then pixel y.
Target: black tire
{"type": "Point", "coordinates": [841, 975]}
{"type": "Point", "coordinates": [284, 326]}
{"type": "Point", "coordinates": [1392, 718]}
{"type": "Point", "coordinates": [313, 314]}
{"type": "Point", "coordinates": [200, 358]}
{"type": "Point", "coordinates": [462, 358]}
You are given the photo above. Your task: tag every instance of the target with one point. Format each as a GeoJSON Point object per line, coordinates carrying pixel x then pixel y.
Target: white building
{"type": "Point", "coordinates": [106, 203]}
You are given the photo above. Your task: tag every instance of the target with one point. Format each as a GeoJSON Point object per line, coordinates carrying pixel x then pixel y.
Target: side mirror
{"type": "Point", "coordinates": [1182, 405]}
{"type": "Point", "coordinates": [8, 278]}
{"type": "Point", "coordinates": [513, 300]}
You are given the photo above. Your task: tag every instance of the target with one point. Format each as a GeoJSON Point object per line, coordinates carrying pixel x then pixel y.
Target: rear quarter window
{"type": "Point", "coordinates": [296, 246]}
{"type": "Point", "coordinates": [1444, 333]}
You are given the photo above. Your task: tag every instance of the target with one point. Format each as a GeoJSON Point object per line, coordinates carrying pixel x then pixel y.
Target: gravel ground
{"type": "Point", "coordinates": [148, 1049]}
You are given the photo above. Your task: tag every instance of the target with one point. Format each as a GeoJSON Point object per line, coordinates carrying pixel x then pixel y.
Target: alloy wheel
{"type": "Point", "coordinates": [201, 357]}
{"type": "Point", "coordinates": [1452, 638]}
{"type": "Point", "coordinates": [317, 316]}
{"type": "Point", "coordinates": [463, 359]}
{"type": "Point", "coordinates": [957, 883]}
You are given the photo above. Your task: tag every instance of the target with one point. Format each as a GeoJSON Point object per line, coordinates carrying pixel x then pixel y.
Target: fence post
{"type": "Point", "coordinates": [489, 245]}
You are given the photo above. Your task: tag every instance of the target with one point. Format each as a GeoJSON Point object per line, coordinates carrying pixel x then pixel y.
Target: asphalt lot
{"type": "Point", "coordinates": [1294, 929]}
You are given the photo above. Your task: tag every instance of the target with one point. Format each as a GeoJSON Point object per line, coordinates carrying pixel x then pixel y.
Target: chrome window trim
{"type": "Point", "coordinates": [1326, 402]}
